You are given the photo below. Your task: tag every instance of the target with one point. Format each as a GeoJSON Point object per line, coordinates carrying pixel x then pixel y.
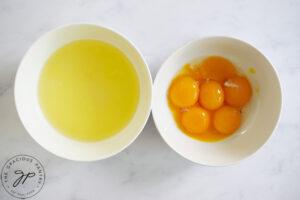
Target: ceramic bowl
{"type": "Point", "coordinates": [30, 113]}
{"type": "Point", "coordinates": [259, 118]}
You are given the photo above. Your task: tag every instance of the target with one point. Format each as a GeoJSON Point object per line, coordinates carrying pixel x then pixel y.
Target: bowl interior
{"type": "Point", "coordinates": [260, 116]}
{"type": "Point", "coordinates": [27, 100]}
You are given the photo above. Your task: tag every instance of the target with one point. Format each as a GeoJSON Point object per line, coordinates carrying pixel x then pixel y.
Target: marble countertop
{"type": "Point", "coordinates": [149, 169]}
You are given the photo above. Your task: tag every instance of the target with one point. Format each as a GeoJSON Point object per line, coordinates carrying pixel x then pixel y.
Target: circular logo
{"type": "Point", "coordinates": [23, 176]}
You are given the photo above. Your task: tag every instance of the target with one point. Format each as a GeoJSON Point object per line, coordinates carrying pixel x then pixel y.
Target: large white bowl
{"type": "Point", "coordinates": [28, 108]}
{"type": "Point", "coordinates": [260, 116]}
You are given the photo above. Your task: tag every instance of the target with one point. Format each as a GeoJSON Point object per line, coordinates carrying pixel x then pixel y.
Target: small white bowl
{"type": "Point", "coordinates": [28, 108]}
{"type": "Point", "coordinates": [260, 116]}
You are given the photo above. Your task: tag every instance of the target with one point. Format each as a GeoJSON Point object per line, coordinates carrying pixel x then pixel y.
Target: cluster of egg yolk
{"type": "Point", "coordinates": [207, 98]}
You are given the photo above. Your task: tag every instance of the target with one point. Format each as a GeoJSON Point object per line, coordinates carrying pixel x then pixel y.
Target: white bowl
{"type": "Point", "coordinates": [28, 108]}
{"type": "Point", "coordinates": [260, 115]}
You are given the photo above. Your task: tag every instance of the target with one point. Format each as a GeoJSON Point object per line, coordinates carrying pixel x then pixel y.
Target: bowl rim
{"type": "Point", "coordinates": [236, 40]}
{"type": "Point", "coordinates": [97, 26]}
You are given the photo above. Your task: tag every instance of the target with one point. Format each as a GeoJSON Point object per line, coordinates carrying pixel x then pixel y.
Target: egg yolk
{"type": "Point", "coordinates": [227, 120]}
{"type": "Point", "coordinates": [195, 120]}
{"type": "Point", "coordinates": [238, 91]}
{"type": "Point", "coordinates": [211, 95]}
{"type": "Point", "coordinates": [206, 98]}
{"type": "Point", "coordinates": [217, 68]}
{"type": "Point", "coordinates": [184, 92]}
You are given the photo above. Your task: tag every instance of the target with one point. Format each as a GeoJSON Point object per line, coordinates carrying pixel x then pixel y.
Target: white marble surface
{"type": "Point", "coordinates": [149, 169]}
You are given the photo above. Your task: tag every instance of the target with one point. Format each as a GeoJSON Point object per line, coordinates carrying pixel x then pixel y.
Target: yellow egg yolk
{"type": "Point", "coordinates": [227, 119]}
{"type": "Point", "coordinates": [238, 91]}
{"type": "Point", "coordinates": [196, 120]}
{"type": "Point", "coordinates": [211, 95]}
{"type": "Point", "coordinates": [184, 91]}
